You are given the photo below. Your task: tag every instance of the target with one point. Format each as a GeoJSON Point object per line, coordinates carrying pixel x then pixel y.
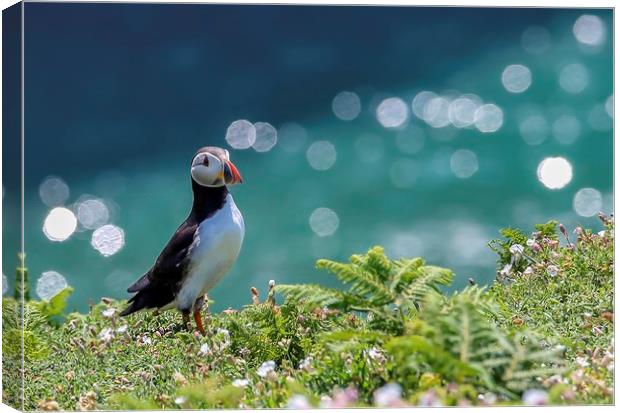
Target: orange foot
{"type": "Point", "coordinates": [198, 320]}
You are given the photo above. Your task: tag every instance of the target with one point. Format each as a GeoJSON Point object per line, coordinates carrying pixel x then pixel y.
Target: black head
{"type": "Point", "coordinates": [211, 167]}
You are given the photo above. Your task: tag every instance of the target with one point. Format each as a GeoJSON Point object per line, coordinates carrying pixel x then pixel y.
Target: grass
{"type": "Point", "coordinates": [540, 334]}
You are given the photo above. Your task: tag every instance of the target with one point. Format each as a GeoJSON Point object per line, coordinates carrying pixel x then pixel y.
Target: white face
{"type": "Point", "coordinates": [207, 170]}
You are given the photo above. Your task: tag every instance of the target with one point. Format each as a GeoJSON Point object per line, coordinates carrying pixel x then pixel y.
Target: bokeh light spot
{"type": "Point", "coordinates": [555, 172]}
{"type": "Point", "coordinates": [49, 284]}
{"type": "Point", "coordinates": [599, 119]}
{"type": "Point", "coordinates": [392, 112]}
{"type": "Point", "coordinates": [321, 155]}
{"type": "Point", "coordinates": [534, 129]}
{"type": "Point", "coordinates": [589, 30]}
{"type": "Point", "coordinates": [566, 129]}
{"type": "Point", "coordinates": [462, 111]}
{"type": "Point", "coordinates": [464, 163]}
{"type": "Point", "coordinates": [437, 112]}
{"type": "Point", "coordinates": [241, 134]}
{"type": "Point", "coordinates": [266, 137]}
{"type": "Point", "coordinates": [53, 191]}
{"type": "Point", "coordinates": [5, 284]}
{"type": "Point", "coordinates": [59, 224]}
{"type": "Point", "coordinates": [92, 213]}
{"type": "Point", "coordinates": [489, 118]}
{"type": "Point", "coordinates": [108, 240]}
{"type": "Point", "coordinates": [516, 78]}
{"type": "Point", "coordinates": [574, 78]}
{"type": "Point", "coordinates": [609, 106]}
{"type": "Point", "coordinates": [587, 202]}
{"type": "Point", "coordinates": [324, 222]}
{"type": "Point", "coordinates": [346, 106]}
{"type": "Point", "coordinates": [419, 102]}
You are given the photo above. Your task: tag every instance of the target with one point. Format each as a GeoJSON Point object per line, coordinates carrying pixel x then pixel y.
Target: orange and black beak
{"type": "Point", "coordinates": [231, 174]}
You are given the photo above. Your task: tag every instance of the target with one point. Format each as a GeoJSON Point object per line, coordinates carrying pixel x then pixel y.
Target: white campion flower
{"type": "Point", "coordinates": [535, 397]}
{"type": "Point", "coordinates": [180, 400]}
{"type": "Point", "coordinates": [552, 270]}
{"type": "Point", "coordinates": [122, 329]}
{"type": "Point", "coordinates": [204, 349]}
{"type": "Point", "coordinates": [528, 271]}
{"type": "Point", "coordinates": [266, 368]}
{"type": "Point", "coordinates": [108, 312]}
{"type": "Point", "coordinates": [388, 395]}
{"type": "Point", "coordinates": [106, 335]}
{"type": "Point", "coordinates": [582, 362]}
{"type": "Point", "coordinates": [530, 242]}
{"type": "Point", "coordinates": [516, 250]}
{"type": "Point", "coordinates": [298, 401]}
{"type": "Point", "coordinates": [506, 270]}
{"type": "Point", "coordinates": [272, 283]}
{"type": "Point", "coordinates": [306, 363]}
{"type": "Point", "coordinates": [240, 382]}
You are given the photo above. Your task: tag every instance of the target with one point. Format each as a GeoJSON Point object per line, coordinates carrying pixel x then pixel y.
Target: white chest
{"type": "Point", "coordinates": [214, 250]}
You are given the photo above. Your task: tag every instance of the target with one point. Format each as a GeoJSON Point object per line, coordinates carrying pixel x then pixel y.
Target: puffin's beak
{"type": "Point", "coordinates": [231, 174]}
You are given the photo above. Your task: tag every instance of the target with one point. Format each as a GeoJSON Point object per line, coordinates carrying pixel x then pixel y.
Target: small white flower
{"type": "Point", "coordinates": [552, 270]}
{"type": "Point", "coordinates": [602, 234]}
{"type": "Point", "coordinates": [487, 399]}
{"type": "Point", "coordinates": [240, 382]}
{"type": "Point", "coordinates": [582, 362]}
{"type": "Point", "coordinates": [306, 363]}
{"type": "Point", "coordinates": [535, 397]}
{"type": "Point", "coordinates": [108, 312]}
{"type": "Point", "coordinates": [388, 395]}
{"type": "Point", "coordinates": [530, 242]}
{"type": "Point", "coordinates": [506, 270]}
{"type": "Point", "coordinates": [528, 271]}
{"type": "Point", "coordinates": [266, 368]}
{"type": "Point", "coordinates": [298, 401]}
{"type": "Point", "coordinates": [122, 329]}
{"type": "Point", "coordinates": [106, 335]}
{"type": "Point", "coordinates": [204, 349]}
{"type": "Point", "coordinates": [516, 250]}
{"type": "Point", "coordinates": [180, 400]}
{"type": "Point", "coordinates": [272, 283]}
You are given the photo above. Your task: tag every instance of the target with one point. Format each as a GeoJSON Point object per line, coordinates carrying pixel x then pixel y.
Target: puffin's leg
{"type": "Point", "coordinates": [186, 320]}
{"type": "Point", "coordinates": [197, 317]}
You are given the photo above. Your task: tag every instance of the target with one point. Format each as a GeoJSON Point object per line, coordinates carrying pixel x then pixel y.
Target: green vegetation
{"type": "Point", "coordinates": [541, 334]}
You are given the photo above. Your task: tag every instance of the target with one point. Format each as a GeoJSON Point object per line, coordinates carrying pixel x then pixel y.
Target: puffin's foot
{"type": "Point", "coordinates": [186, 323]}
{"type": "Point", "coordinates": [198, 319]}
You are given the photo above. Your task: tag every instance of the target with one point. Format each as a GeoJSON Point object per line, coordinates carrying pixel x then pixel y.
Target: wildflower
{"type": "Point", "coordinates": [343, 398]}
{"type": "Point", "coordinates": [306, 364]}
{"type": "Point", "coordinates": [266, 368]}
{"type": "Point", "coordinates": [506, 270]}
{"type": "Point", "coordinates": [563, 229]}
{"type": "Point", "coordinates": [375, 354]}
{"type": "Point", "coordinates": [240, 382]}
{"type": "Point", "coordinates": [88, 401]}
{"type": "Point", "coordinates": [552, 270]}
{"type": "Point", "coordinates": [272, 283]}
{"type": "Point", "coordinates": [530, 242]}
{"type": "Point", "coordinates": [204, 349]}
{"type": "Point", "coordinates": [388, 395]}
{"type": "Point", "coordinates": [602, 234]}
{"type": "Point", "coordinates": [180, 400]}
{"type": "Point", "coordinates": [179, 378]}
{"type": "Point", "coordinates": [536, 247]}
{"type": "Point", "coordinates": [535, 397]}
{"type": "Point", "coordinates": [108, 313]}
{"type": "Point", "coordinates": [517, 251]}
{"type": "Point", "coordinates": [528, 271]}
{"type": "Point", "coordinates": [106, 335]}
{"type": "Point", "coordinates": [122, 329]}
{"type": "Point", "coordinates": [582, 362]}
{"type": "Point", "coordinates": [298, 401]}
{"type": "Point", "coordinates": [487, 399]}
{"type": "Point", "coordinates": [578, 231]}
{"type": "Point", "coordinates": [144, 341]}
{"type": "Point", "coordinates": [48, 405]}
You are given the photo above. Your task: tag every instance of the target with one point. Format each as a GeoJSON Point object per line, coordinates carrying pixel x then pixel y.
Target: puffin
{"type": "Point", "coordinates": [204, 247]}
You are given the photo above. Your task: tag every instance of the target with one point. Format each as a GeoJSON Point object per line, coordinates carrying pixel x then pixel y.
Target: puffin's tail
{"type": "Point", "coordinates": [150, 297]}
{"type": "Point", "coordinates": [134, 305]}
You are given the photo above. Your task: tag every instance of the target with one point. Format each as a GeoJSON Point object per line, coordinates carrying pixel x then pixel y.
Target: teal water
{"type": "Point", "coordinates": [131, 117]}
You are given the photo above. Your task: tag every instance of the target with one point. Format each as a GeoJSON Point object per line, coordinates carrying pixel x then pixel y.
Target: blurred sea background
{"type": "Point", "coordinates": [424, 130]}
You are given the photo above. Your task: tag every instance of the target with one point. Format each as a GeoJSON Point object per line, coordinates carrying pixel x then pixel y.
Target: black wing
{"type": "Point", "coordinates": [160, 284]}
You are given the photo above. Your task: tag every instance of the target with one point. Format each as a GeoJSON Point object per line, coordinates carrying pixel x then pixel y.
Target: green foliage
{"type": "Point", "coordinates": [387, 290]}
{"type": "Point", "coordinates": [392, 324]}
{"type": "Point", "coordinates": [55, 306]}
